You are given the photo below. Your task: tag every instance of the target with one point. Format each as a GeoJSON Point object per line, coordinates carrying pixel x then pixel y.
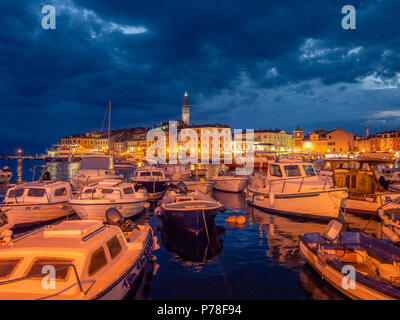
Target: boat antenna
{"type": "Point", "coordinates": [109, 126]}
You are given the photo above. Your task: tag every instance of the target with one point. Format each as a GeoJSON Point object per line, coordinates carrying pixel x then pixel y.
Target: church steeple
{"type": "Point", "coordinates": [185, 109]}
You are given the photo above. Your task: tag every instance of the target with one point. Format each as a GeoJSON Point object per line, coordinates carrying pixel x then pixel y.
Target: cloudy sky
{"type": "Point", "coordinates": [248, 64]}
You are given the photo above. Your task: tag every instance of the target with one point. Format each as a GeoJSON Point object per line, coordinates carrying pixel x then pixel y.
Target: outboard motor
{"type": "Point", "coordinates": [114, 217]}
{"type": "Point", "coordinates": [46, 176]}
{"type": "Point", "coordinates": [334, 230]}
{"type": "Point", "coordinates": [182, 187]}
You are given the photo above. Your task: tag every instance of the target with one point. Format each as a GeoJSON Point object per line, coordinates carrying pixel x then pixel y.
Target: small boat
{"type": "Point", "coordinates": [367, 189]}
{"type": "Point", "coordinates": [153, 179]}
{"type": "Point", "coordinates": [37, 202]}
{"type": "Point", "coordinates": [94, 168]}
{"type": "Point", "coordinates": [293, 188]}
{"type": "Point", "coordinates": [389, 214]}
{"type": "Point", "coordinates": [205, 186]}
{"type": "Point", "coordinates": [359, 266]}
{"type": "Point", "coordinates": [177, 172]}
{"type": "Point", "coordinates": [94, 200]}
{"type": "Point", "coordinates": [5, 175]}
{"type": "Point", "coordinates": [89, 260]}
{"type": "Point", "coordinates": [192, 211]}
{"type": "Point", "coordinates": [229, 183]}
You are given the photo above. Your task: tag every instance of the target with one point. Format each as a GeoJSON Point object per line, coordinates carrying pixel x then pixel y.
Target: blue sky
{"type": "Point", "coordinates": [253, 64]}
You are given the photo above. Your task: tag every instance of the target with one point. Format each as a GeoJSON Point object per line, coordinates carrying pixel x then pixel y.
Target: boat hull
{"type": "Point", "coordinates": [195, 221]}
{"type": "Point", "coordinates": [122, 287]}
{"type": "Point", "coordinates": [204, 187]}
{"type": "Point", "coordinates": [155, 189]}
{"type": "Point", "coordinates": [87, 211]}
{"type": "Point", "coordinates": [24, 215]}
{"type": "Point", "coordinates": [323, 205]}
{"type": "Point", "coordinates": [365, 207]}
{"type": "Point", "coordinates": [234, 185]}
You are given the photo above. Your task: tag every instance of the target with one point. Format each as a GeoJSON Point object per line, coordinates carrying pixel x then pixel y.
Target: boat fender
{"type": "Point", "coordinates": [241, 220]}
{"type": "Point", "coordinates": [158, 211]}
{"type": "Point", "coordinates": [271, 199]}
{"type": "Point", "coordinates": [231, 219]}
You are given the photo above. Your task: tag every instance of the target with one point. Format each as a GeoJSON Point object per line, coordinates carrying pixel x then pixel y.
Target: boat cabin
{"type": "Point", "coordinates": [290, 170]}
{"type": "Point", "coordinates": [97, 162]}
{"type": "Point", "coordinates": [359, 176]}
{"type": "Point", "coordinates": [76, 252]}
{"type": "Point", "coordinates": [150, 173]}
{"type": "Point", "coordinates": [38, 192]}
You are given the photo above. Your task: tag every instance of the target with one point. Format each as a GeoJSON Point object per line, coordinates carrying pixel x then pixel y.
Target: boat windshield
{"type": "Point", "coordinates": [15, 193]}
{"type": "Point", "coordinates": [309, 170]}
{"type": "Point", "coordinates": [275, 170]}
{"type": "Point", "coordinates": [102, 163]}
{"type": "Point", "coordinates": [292, 171]}
{"type": "Point", "coordinates": [39, 263]}
{"type": "Point", "coordinates": [157, 174]}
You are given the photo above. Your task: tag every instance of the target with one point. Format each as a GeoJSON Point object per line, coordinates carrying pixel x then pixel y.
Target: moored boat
{"type": "Point", "coordinates": [177, 172]}
{"type": "Point", "coordinates": [293, 188]}
{"type": "Point", "coordinates": [94, 200]}
{"type": "Point", "coordinates": [5, 175]}
{"type": "Point", "coordinates": [89, 260]}
{"type": "Point", "coordinates": [37, 202]}
{"type": "Point", "coordinates": [389, 214]}
{"type": "Point", "coordinates": [229, 183]}
{"type": "Point", "coordinates": [359, 266]}
{"type": "Point", "coordinates": [192, 211]}
{"type": "Point", "coordinates": [153, 179]}
{"type": "Point", "coordinates": [94, 168]}
{"type": "Point", "coordinates": [367, 189]}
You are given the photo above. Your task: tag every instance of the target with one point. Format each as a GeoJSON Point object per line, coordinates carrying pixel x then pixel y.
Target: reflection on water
{"type": "Point", "coordinates": [232, 201]}
{"type": "Point", "coordinates": [19, 170]}
{"type": "Point", "coordinates": [316, 287]}
{"type": "Point", "coordinates": [190, 247]}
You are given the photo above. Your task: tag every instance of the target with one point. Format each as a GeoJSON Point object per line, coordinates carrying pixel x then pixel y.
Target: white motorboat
{"type": "Point", "coordinates": [5, 175]}
{"type": "Point", "coordinates": [94, 200]}
{"type": "Point", "coordinates": [204, 186]}
{"type": "Point", "coordinates": [94, 168]}
{"type": "Point", "coordinates": [75, 260]}
{"type": "Point", "coordinates": [229, 183]}
{"type": "Point", "coordinates": [177, 172]}
{"type": "Point", "coordinates": [153, 179]}
{"type": "Point", "coordinates": [293, 188]}
{"type": "Point", "coordinates": [37, 202]}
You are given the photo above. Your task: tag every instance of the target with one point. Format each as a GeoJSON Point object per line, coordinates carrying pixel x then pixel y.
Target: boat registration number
{"type": "Point", "coordinates": [31, 208]}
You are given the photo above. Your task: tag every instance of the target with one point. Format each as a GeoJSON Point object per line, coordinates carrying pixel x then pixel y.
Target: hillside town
{"type": "Point", "coordinates": [132, 143]}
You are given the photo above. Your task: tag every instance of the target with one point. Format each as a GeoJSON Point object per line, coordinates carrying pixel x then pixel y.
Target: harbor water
{"type": "Point", "coordinates": [258, 260]}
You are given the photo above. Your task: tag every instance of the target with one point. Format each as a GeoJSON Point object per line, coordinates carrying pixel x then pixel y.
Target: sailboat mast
{"type": "Point", "coordinates": [109, 125]}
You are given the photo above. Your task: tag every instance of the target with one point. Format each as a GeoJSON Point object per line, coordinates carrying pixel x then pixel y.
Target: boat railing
{"type": "Point", "coordinates": [300, 179]}
{"type": "Point", "coordinates": [70, 265]}
{"type": "Point", "coordinates": [98, 196]}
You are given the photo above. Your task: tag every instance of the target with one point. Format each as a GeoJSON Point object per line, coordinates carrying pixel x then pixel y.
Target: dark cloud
{"type": "Point", "coordinates": [248, 64]}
